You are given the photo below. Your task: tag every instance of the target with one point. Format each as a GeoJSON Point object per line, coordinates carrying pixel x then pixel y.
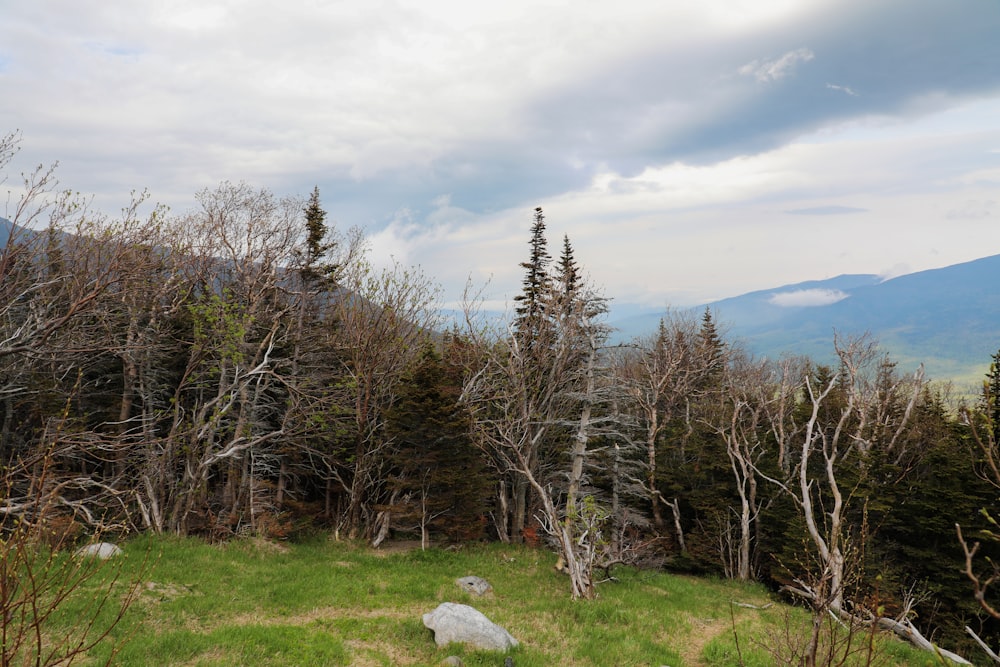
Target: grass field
{"type": "Point", "coordinates": [251, 602]}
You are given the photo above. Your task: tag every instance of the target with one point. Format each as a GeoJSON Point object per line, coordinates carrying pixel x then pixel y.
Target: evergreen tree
{"type": "Point", "coordinates": [911, 513]}
{"type": "Point", "coordinates": [535, 334]}
{"type": "Point", "coordinates": [439, 477]}
{"type": "Point", "coordinates": [990, 399]}
{"type": "Point", "coordinates": [317, 246]}
{"type": "Point", "coordinates": [569, 274]}
{"type": "Point", "coordinates": [711, 347]}
{"type": "Point", "coordinates": [537, 284]}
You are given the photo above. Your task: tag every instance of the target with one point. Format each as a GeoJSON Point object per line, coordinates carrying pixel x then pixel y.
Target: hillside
{"type": "Point", "coordinates": [947, 318]}
{"type": "Point", "coordinates": [324, 602]}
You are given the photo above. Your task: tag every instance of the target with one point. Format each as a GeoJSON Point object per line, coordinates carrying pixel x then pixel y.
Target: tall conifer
{"type": "Point", "coordinates": [537, 282]}
{"type": "Point", "coordinates": [317, 246]}
{"type": "Point", "coordinates": [569, 274]}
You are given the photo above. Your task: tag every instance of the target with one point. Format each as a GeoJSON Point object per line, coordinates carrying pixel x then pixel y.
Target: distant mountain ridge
{"type": "Point", "coordinates": [946, 318]}
{"type": "Point", "coordinates": [6, 226]}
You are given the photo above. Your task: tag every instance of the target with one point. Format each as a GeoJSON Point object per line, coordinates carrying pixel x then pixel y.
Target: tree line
{"type": "Point", "coordinates": [246, 369]}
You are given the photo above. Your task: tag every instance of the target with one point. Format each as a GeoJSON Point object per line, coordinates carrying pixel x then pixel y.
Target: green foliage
{"type": "Point", "coordinates": [436, 466]}
{"type": "Point", "coordinates": [219, 324]}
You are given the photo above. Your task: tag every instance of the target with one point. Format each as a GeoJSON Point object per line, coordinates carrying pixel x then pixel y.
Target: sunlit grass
{"type": "Point", "coordinates": [329, 603]}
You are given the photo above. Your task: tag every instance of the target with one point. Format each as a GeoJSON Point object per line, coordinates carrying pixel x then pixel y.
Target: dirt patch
{"type": "Point", "coordinates": [703, 630]}
{"type": "Point", "coordinates": [368, 654]}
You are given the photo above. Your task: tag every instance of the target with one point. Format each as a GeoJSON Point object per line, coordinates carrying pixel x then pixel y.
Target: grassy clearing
{"type": "Point", "coordinates": [327, 603]}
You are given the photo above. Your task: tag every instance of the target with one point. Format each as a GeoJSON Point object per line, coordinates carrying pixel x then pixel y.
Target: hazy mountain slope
{"type": "Point", "coordinates": [5, 228]}
{"type": "Point", "coordinates": [948, 318]}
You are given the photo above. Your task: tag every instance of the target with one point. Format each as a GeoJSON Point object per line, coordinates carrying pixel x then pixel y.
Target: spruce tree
{"type": "Point", "coordinates": [711, 348]}
{"type": "Point", "coordinates": [569, 274]}
{"type": "Point", "coordinates": [537, 284]}
{"type": "Point", "coordinates": [438, 472]}
{"type": "Point", "coordinates": [317, 247]}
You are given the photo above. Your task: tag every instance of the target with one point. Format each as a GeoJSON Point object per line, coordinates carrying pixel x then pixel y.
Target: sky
{"type": "Point", "coordinates": [691, 151]}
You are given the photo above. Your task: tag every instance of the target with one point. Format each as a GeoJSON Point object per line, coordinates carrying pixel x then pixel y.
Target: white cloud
{"type": "Point", "coordinates": [894, 271]}
{"type": "Point", "coordinates": [777, 68]}
{"type": "Point", "coordinates": [807, 297]}
{"type": "Point", "coordinates": [844, 89]}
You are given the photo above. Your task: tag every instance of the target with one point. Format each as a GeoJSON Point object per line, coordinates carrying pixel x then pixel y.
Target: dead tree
{"type": "Point", "coordinates": [849, 415]}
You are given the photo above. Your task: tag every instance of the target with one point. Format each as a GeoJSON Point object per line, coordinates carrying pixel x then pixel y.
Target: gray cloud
{"type": "Point", "coordinates": [669, 103]}
{"type": "Point", "coordinates": [388, 107]}
{"type": "Point", "coordinates": [827, 210]}
{"type": "Point", "coordinates": [398, 128]}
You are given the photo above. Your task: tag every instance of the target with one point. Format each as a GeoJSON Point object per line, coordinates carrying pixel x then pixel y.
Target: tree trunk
{"type": "Point", "coordinates": [654, 496]}
{"type": "Point", "coordinates": [279, 494]}
{"type": "Point", "coordinates": [676, 508]}
{"type": "Point", "coordinates": [502, 519]}
{"type": "Point", "coordinates": [519, 510]}
{"type": "Point", "coordinates": [578, 454]}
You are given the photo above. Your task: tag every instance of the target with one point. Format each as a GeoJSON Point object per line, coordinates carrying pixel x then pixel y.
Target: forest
{"type": "Point", "coordinates": [247, 369]}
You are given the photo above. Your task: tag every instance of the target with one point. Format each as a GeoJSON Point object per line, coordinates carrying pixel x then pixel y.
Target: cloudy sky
{"type": "Point", "coordinates": [691, 150]}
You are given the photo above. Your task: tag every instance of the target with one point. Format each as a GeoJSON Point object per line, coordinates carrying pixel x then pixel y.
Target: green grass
{"type": "Point", "coordinates": [329, 603]}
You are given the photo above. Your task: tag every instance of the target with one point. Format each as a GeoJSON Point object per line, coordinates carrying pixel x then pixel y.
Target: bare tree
{"type": "Point", "coordinates": [509, 421]}
{"type": "Point", "coordinates": [738, 416]}
{"type": "Point", "coordinates": [62, 294]}
{"type": "Point", "coordinates": [857, 409]}
{"type": "Point", "coordinates": [224, 415]}
{"type": "Point", "coordinates": [661, 379]}
{"type": "Point", "coordinates": [378, 322]}
{"type": "Point", "coordinates": [516, 404]}
{"type": "Point", "coordinates": [526, 389]}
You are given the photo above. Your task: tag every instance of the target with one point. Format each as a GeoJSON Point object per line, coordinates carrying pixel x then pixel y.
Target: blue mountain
{"type": "Point", "coordinates": [947, 318]}
{"type": "Point", "coordinates": [5, 228]}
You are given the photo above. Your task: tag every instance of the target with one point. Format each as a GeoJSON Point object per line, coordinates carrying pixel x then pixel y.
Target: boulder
{"type": "Point", "coordinates": [474, 585]}
{"type": "Point", "coordinates": [100, 550]}
{"type": "Point", "coordinates": [463, 624]}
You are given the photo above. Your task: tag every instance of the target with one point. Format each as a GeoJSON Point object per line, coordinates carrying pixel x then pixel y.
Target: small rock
{"type": "Point", "coordinates": [463, 624]}
{"type": "Point", "coordinates": [474, 585]}
{"type": "Point", "coordinates": [452, 661]}
{"type": "Point", "coordinates": [101, 550]}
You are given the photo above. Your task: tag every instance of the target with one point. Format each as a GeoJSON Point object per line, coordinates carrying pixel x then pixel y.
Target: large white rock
{"type": "Point", "coordinates": [463, 624]}
{"type": "Point", "coordinates": [101, 550]}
